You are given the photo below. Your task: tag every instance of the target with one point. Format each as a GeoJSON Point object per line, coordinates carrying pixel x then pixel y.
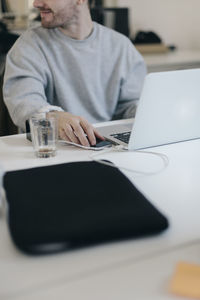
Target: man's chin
{"type": "Point", "coordinates": [48, 24]}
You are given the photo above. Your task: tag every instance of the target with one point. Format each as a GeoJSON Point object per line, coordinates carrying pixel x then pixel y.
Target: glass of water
{"type": "Point", "coordinates": [44, 135]}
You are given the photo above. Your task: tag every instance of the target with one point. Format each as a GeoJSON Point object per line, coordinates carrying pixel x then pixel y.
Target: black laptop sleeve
{"type": "Point", "coordinates": [74, 205]}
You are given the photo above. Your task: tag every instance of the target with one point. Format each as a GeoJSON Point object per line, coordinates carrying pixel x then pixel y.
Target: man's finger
{"type": "Point", "coordinates": [81, 135]}
{"type": "Point", "coordinates": [89, 130]}
{"type": "Point", "coordinates": [63, 135]}
{"type": "Point", "coordinates": [98, 135]}
{"type": "Point", "coordinates": [70, 134]}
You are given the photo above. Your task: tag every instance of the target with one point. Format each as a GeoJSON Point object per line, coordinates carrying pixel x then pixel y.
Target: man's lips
{"type": "Point", "coordinates": [45, 11]}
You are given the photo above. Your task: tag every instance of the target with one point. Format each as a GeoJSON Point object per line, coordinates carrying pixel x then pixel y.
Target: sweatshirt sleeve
{"type": "Point", "coordinates": [131, 83]}
{"type": "Point", "coordinates": [26, 79]}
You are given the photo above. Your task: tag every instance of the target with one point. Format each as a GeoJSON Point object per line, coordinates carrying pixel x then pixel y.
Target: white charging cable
{"type": "Point", "coordinates": [120, 148]}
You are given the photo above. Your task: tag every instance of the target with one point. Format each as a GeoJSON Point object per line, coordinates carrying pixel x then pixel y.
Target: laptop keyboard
{"type": "Point", "coordinates": [124, 136]}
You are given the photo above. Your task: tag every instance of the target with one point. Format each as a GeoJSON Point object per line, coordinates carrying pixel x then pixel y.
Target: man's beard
{"type": "Point", "coordinates": [52, 23]}
{"type": "Point", "coordinates": [46, 24]}
{"type": "Point", "coordinates": [59, 19]}
{"type": "Point", "coordinates": [57, 22]}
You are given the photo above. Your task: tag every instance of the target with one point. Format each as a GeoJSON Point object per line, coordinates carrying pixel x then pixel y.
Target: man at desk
{"type": "Point", "coordinates": [85, 72]}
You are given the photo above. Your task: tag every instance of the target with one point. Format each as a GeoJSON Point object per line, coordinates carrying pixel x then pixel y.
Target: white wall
{"type": "Point", "coordinates": [176, 21]}
{"type": "Point", "coordinates": [20, 7]}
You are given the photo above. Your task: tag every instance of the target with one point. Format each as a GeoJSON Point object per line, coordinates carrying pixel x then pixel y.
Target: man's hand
{"type": "Point", "coordinates": [76, 129]}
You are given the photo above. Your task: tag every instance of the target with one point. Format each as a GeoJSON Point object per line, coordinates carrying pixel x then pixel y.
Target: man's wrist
{"type": "Point", "coordinates": [50, 108]}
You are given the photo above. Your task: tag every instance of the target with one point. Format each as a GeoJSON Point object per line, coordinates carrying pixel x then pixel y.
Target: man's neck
{"type": "Point", "coordinates": [80, 28]}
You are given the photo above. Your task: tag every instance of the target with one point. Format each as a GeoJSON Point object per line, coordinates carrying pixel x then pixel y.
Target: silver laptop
{"type": "Point", "coordinates": [168, 112]}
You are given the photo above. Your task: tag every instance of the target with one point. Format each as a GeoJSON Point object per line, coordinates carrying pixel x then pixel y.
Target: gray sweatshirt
{"type": "Point", "coordinates": [99, 78]}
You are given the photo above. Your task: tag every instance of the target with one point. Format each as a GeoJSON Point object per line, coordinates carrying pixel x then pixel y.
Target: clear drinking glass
{"type": "Point", "coordinates": [44, 135]}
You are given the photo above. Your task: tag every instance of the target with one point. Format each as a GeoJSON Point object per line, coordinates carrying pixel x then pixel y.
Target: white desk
{"type": "Point", "coordinates": [112, 270]}
{"type": "Point", "coordinates": [146, 280]}
{"type": "Point", "coordinates": [173, 60]}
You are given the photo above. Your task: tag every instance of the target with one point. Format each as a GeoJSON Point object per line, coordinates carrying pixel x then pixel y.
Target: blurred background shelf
{"type": "Point", "coordinates": [173, 60]}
